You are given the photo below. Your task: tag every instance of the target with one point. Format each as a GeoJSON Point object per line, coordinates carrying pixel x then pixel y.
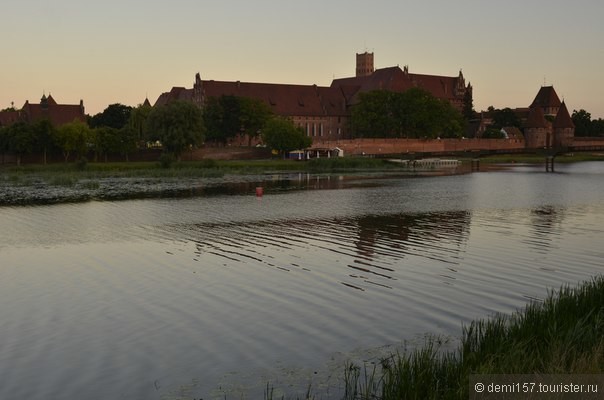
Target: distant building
{"type": "Point", "coordinates": [48, 108]}
{"type": "Point", "coordinates": [323, 112]}
{"type": "Point", "coordinates": [558, 130]}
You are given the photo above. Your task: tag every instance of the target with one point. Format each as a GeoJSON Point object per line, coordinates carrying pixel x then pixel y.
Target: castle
{"type": "Point", "coordinates": [323, 111]}
{"type": "Point", "coordinates": [548, 123]}
{"type": "Point", "coordinates": [48, 108]}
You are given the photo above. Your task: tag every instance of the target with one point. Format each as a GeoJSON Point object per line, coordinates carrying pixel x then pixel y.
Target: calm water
{"type": "Point", "coordinates": [202, 296]}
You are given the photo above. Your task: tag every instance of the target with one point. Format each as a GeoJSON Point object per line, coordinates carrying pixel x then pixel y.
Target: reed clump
{"type": "Point", "coordinates": [562, 335]}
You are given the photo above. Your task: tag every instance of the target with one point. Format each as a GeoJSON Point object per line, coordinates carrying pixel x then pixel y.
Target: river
{"type": "Point", "coordinates": [217, 294]}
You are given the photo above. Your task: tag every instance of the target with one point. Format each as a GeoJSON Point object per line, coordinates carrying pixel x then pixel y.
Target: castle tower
{"type": "Point", "coordinates": [364, 64]}
{"type": "Point", "coordinates": [564, 128]}
{"type": "Point", "coordinates": [198, 98]}
{"type": "Point", "coordinates": [537, 131]}
{"type": "Point", "coordinates": [548, 100]}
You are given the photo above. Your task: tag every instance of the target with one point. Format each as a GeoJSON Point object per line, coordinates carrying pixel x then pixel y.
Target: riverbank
{"type": "Point", "coordinates": [74, 182]}
{"type": "Point", "coordinates": [562, 335]}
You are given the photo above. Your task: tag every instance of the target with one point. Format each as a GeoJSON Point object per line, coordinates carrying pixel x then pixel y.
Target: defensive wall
{"type": "Point", "coordinates": [400, 146]}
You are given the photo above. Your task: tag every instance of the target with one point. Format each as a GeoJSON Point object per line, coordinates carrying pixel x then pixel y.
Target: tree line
{"type": "Point", "coordinates": [414, 113]}
{"type": "Point", "coordinates": [175, 127]}
{"type": "Point", "coordinates": [585, 126]}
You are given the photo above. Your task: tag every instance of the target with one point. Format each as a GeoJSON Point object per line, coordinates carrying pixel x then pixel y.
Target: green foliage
{"type": "Point", "coordinates": [493, 133]}
{"type": "Point", "coordinates": [282, 135]}
{"type": "Point", "coordinates": [227, 116]}
{"type": "Point", "coordinates": [138, 121]}
{"type": "Point", "coordinates": [166, 160]}
{"type": "Point", "coordinates": [582, 121]}
{"type": "Point", "coordinates": [562, 335]}
{"type": "Point", "coordinates": [21, 138]}
{"type": "Point", "coordinates": [73, 138]}
{"type": "Point", "coordinates": [114, 116]}
{"type": "Point", "coordinates": [44, 133]}
{"type": "Point", "coordinates": [81, 163]}
{"type": "Point", "coordinates": [414, 113]}
{"type": "Point", "coordinates": [254, 114]}
{"type": "Point", "coordinates": [334, 164]}
{"type": "Point", "coordinates": [505, 117]}
{"type": "Point", "coordinates": [177, 125]}
{"type": "Point", "coordinates": [468, 106]}
{"type": "Point", "coordinates": [597, 127]}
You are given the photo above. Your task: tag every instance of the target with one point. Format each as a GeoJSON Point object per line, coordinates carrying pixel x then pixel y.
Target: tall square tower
{"type": "Point", "coordinates": [364, 64]}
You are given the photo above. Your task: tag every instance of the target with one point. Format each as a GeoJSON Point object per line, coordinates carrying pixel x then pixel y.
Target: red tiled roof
{"type": "Point", "coordinates": [177, 93]}
{"type": "Point", "coordinates": [396, 80]}
{"type": "Point", "coordinates": [289, 100]}
{"type": "Point", "coordinates": [546, 98]}
{"type": "Point", "coordinates": [58, 114]}
{"type": "Point", "coordinates": [563, 119]}
{"type": "Point", "coordinates": [536, 118]}
{"type": "Point", "coordinates": [9, 117]}
{"type": "Point", "coordinates": [312, 100]}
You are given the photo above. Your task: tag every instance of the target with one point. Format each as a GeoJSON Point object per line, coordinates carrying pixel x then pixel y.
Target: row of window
{"type": "Point", "coordinates": [314, 130]}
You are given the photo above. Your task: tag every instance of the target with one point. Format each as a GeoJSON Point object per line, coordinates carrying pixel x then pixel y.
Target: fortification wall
{"type": "Point", "coordinates": [398, 146]}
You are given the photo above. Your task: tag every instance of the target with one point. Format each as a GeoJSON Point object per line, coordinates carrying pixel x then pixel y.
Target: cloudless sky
{"type": "Point", "coordinates": [120, 51]}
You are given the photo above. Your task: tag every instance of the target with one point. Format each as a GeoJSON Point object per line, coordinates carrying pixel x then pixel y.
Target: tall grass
{"type": "Point", "coordinates": [347, 163]}
{"type": "Point", "coordinates": [562, 335]}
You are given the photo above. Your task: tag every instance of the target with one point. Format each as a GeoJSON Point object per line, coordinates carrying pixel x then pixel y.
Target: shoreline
{"type": "Point", "coordinates": [64, 183]}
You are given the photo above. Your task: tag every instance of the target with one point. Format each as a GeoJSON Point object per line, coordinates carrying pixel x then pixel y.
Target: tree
{"type": "Point", "coordinates": [373, 116]}
{"type": "Point", "coordinates": [227, 116]}
{"type": "Point", "coordinates": [282, 135]}
{"type": "Point", "coordinates": [4, 141]}
{"type": "Point", "coordinates": [582, 121]}
{"type": "Point", "coordinates": [505, 117]}
{"type": "Point", "coordinates": [114, 116]}
{"type": "Point", "coordinates": [44, 133]}
{"type": "Point", "coordinates": [253, 115]}
{"type": "Point", "coordinates": [597, 127]}
{"type": "Point", "coordinates": [138, 121]}
{"type": "Point", "coordinates": [468, 106]}
{"type": "Point", "coordinates": [414, 113]}
{"type": "Point", "coordinates": [73, 138]}
{"type": "Point", "coordinates": [105, 141]}
{"type": "Point", "coordinates": [21, 139]}
{"type": "Point", "coordinates": [177, 125]}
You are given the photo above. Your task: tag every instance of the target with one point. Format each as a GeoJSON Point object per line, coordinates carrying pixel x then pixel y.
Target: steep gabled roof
{"type": "Point", "coordinates": [536, 118]}
{"type": "Point", "coordinates": [58, 114]}
{"type": "Point", "coordinates": [546, 98]}
{"type": "Point", "coordinates": [396, 80]}
{"type": "Point", "coordinates": [563, 119]}
{"type": "Point", "coordinates": [291, 100]}
{"type": "Point", "coordinates": [176, 93]}
{"type": "Point", "coordinates": [283, 99]}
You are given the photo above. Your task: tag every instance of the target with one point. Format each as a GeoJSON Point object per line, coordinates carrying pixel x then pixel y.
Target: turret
{"type": "Point", "coordinates": [564, 128]}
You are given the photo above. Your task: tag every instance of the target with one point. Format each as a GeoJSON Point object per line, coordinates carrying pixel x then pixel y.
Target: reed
{"type": "Point", "coordinates": [562, 335]}
{"type": "Point", "coordinates": [348, 163]}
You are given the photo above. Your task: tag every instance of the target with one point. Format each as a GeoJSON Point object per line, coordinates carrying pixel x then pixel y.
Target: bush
{"type": "Point", "coordinates": [81, 164]}
{"type": "Point", "coordinates": [166, 160]}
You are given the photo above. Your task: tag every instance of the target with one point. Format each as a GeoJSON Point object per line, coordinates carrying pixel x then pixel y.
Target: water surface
{"type": "Point", "coordinates": [220, 293]}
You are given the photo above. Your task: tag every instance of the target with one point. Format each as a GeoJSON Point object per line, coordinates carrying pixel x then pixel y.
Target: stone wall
{"type": "Point", "coordinates": [398, 146]}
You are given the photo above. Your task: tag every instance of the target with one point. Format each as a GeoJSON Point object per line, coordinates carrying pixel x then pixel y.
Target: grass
{"type": "Point", "coordinates": [72, 173]}
{"type": "Point", "coordinates": [562, 335]}
{"type": "Point", "coordinates": [539, 159]}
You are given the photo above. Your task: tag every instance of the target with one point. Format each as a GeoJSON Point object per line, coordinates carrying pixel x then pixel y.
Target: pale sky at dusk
{"type": "Point", "coordinates": [114, 51]}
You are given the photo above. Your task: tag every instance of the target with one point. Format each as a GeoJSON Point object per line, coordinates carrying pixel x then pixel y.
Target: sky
{"type": "Point", "coordinates": [122, 51]}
